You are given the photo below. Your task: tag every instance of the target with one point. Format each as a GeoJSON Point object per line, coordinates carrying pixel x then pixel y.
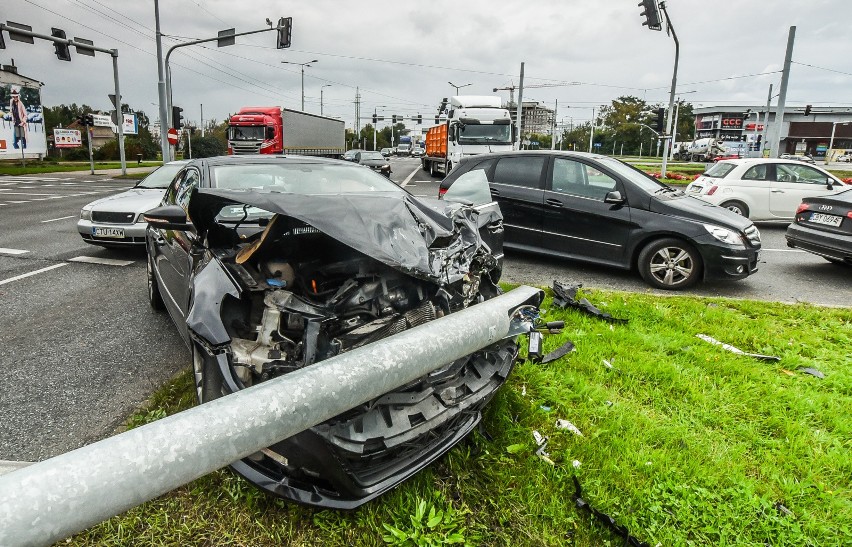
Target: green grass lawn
{"type": "Point", "coordinates": [35, 167]}
{"type": "Point", "coordinates": [683, 443]}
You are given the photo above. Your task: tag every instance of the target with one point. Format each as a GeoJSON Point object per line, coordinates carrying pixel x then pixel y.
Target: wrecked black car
{"type": "Point", "coordinates": [269, 264]}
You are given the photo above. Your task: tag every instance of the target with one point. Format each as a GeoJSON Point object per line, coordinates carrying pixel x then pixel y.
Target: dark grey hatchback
{"type": "Point", "coordinates": [598, 209]}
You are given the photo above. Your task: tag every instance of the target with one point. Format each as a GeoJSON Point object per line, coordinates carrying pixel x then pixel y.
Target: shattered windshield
{"type": "Point", "coordinates": [484, 134]}
{"type": "Point", "coordinates": [301, 178]}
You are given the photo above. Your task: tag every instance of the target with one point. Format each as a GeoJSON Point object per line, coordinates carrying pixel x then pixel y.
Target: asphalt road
{"type": "Point", "coordinates": [82, 348]}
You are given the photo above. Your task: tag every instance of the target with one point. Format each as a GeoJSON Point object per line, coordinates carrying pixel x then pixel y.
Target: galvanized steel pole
{"type": "Point", "coordinates": [777, 127]}
{"type": "Point", "coordinates": [47, 501]}
{"type": "Point", "coordinates": [519, 117]}
{"type": "Point", "coordinates": [766, 120]}
{"type": "Point", "coordinates": [667, 142]}
{"type": "Point", "coordinates": [119, 115]}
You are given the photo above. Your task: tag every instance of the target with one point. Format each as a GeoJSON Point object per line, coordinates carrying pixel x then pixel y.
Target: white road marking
{"type": "Point", "coordinates": [14, 252]}
{"type": "Point", "coordinates": [784, 250]}
{"type": "Point", "coordinates": [36, 272]}
{"type": "Point", "coordinates": [409, 177]}
{"type": "Point", "coordinates": [5, 193]}
{"type": "Point", "coordinates": [60, 218]}
{"type": "Point", "coordinates": [10, 201]}
{"type": "Point", "coordinates": [104, 261]}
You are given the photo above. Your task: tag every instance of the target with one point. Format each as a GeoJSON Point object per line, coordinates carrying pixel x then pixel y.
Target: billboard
{"type": "Point", "coordinates": [21, 122]}
{"type": "Point", "coordinates": [67, 138]}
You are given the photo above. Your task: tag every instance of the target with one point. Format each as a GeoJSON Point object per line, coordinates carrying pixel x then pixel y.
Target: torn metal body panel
{"type": "Point", "coordinates": [280, 280]}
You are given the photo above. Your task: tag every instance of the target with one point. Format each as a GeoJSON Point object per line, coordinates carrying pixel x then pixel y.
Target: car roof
{"type": "Point", "coordinates": [563, 153]}
{"type": "Point", "coordinates": [753, 161]}
{"type": "Point", "coordinates": [265, 159]}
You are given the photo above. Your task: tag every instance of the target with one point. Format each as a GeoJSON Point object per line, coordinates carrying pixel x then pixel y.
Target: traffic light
{"type": "Point", "coordinates": [63, 52]}
{"type": "Point", "coordinates": [285, 31]}
{"type": "Point", "coordinates": [90, 120]}
{"type": "Point", "coordinates": [81, 119]}
{"type": "Point", "coordinates": [437, 119]}
{"type": "Point", "coordinates": [375, 119]}
{"type": "Point", "coordinates": [419, 118]}
{"type": "Point", "coordinates": [177, 118]}
{"type": "Point", "coordinates": [394, 119]}
{"type": "Point", "coordinates": [651, 14]}
{"type": "Point", "coordinates": [659, 121]}
{"type": "Point", "coordinates": [807, 110]}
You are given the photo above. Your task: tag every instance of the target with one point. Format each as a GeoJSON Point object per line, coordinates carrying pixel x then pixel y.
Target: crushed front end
{"type": "Point", "coordinates": [294, 294]}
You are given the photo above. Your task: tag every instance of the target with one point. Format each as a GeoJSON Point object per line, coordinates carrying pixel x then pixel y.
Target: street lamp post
{"type": "Point", "coordinates": [302, 66]}
{"type": "Point", "coordinates": [321, 88]}
{"type": "Point", "coordinates": [458, 86]}
{"type": "Point", "coordinates": [831, 142]}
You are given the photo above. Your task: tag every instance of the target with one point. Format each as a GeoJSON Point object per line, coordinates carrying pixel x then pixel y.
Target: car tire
{"type": "Point", "coordinates": [154, 296]}
{"type": "Point", "coordinates": [737, 207]}
{"type": "Point", "coordinates": [670, 264]}
{"type": "Point", "coordinates": [449, 167]}
{"type": "Point", "coordinates": [208, 380]}
{"type": "Point", "coordinates": [431, 168]}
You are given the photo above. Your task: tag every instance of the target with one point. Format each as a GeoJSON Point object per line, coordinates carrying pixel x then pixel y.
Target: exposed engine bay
{"type": "Point", "coordinates": [310, 298]}
{"type": "Point", "coordinates": [319, 276]}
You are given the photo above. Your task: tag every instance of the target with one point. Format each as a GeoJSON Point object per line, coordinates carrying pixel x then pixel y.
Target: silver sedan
{"type": "Point", "coordinates": [116, 221]}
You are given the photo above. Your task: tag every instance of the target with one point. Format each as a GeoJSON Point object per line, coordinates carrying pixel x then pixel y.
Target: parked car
{"type": "Point", "coordinates": [845, 157]}
{"type": "Point", "coordinates": [116, 221]}
{"type": "Point", "coordinates": [268, 264]}
{"type": "Point", "coordinates": [349, 155]}
{"type": "Point", "coordinates": [597, 209]}
{"type": "Point", "coordinates": [762, 189]}
{"type": "Point", "coordinates": [417, 152]}
{"type": "Point", "coordinates": [387, 152]}
{"type": "Point", "coordinates": [375, 161]}
{"type": "Point", "coordinates": [798, 157]}
{"type": "Point", "coordinates": [823, 226]}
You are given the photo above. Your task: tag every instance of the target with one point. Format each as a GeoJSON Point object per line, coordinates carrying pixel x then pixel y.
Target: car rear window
{"type": "Point", "coordinates": [520, 171]}
{"type": "Point", "coordinates": [719, 170]}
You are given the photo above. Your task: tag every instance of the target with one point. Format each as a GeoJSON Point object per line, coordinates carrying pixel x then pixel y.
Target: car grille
{"type": "Point", "coordinates": [245, 149]}
{"type": "Point", "coordinates": [753, 235]}
{"type": "Point", "coordinates": [113, 217]}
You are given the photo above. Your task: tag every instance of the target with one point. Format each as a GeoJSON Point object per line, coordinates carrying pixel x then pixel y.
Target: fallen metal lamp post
{"type": "Point", "coordinates": [50, 500]}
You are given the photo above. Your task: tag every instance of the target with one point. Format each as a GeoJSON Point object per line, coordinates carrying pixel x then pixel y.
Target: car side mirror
{"type": "Point", "coordinates": [168, 217]}
{"type": "Point", "coordinates": [614, 197]}
{"type": "Point", "coordinates": [829, 184]}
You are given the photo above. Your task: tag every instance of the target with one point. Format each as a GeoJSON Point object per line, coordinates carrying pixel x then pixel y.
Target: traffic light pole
{"type": "Point", "coordinates": [168, 90]}
{"type": "Point", "coordinates": [83, 46]}
{"type": "Point", "coordinates": [666, 138]}
{"type": "Point", "coordinates": [91, 156]}
{"type": "Point", "coordinates": [161, 88]}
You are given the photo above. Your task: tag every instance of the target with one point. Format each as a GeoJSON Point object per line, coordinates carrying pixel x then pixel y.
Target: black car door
{"type": "Point", "coordinates": [577, 221]}
{"type": "Point", "coordinates": [172, 251]}
{"type": "Point", "coordinates": [517, 185]}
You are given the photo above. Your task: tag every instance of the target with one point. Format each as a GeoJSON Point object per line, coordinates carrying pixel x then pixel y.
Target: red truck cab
{"type": "Point", "coordinates": [255, 130]}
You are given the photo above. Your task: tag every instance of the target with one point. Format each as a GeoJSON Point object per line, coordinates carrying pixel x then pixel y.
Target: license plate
{"type": "Point", "coordinates": [828, 220]}
{"type": "Point", "coordinates": [108, 232]}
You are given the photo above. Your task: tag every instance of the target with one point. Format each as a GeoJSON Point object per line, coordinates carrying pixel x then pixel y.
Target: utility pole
{"type": "Point", "coordinates": [357, 115]}
{"type": "Point", "coordinates": [553, 132]}
{"type": "Point", "coordinates": [202, 120]}
{"type": "Point", "coordinates": [519, 122]}
{"type": "Point", "coordinates": [667, 136]}
{"type": "Point", "coordinates": [592, 135]}
{"type": "Point", "coordinates": [782, 97]}
{"type": "Point", "coordinates": [161, 87]}
{"type": "Point", "coordinates": [766, 120]}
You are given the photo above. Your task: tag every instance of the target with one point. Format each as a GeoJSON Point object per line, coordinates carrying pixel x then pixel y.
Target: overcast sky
{"type": "Point", "coordinates": [401, 54]}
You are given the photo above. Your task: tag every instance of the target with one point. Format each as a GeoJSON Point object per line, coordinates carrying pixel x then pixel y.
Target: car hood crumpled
{"type": "Point", "coordinates": [438, 241]}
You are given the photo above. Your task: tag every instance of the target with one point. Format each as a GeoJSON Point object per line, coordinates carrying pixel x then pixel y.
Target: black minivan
{"type": "Point", "coordinates": [599, 209]}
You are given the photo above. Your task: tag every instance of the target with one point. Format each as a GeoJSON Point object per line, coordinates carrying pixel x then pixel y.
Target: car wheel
{"type": "Point", "coordinates": [737, 207]}
{"type": "Point", "coordinates": [154, 296]}
{"type": "Point", "coordinates": [208, 381]}
{"type": "Point", "coordinates": [670, 264]}
{"type": "Point", "coordinates": [431, 168]}
{"type": "Point", "coordinates": [449, 167]}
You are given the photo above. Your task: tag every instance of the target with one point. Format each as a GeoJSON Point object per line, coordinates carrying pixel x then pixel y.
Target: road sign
{"type": "Point", "coordinates": [173, 135]}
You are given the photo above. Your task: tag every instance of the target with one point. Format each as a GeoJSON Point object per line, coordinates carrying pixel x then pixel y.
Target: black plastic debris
{"type": "Point", "coordinates": [806, 370]}
{"type": "Point", "coordinates": [561, 351]}
{"type": "Point", "coordinates": [566, 297]}
{"type": "Point", "coordinates": [607, 520]}
{"type": "Point", "coordinates": [738, 351]}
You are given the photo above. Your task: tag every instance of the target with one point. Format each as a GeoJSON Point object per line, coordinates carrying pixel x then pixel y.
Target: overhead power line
{"type": "Point", "coordinates": [823, 68]}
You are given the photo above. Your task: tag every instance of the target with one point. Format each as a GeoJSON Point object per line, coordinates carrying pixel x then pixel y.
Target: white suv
{"type": "Point", "coordinates": [763, 189]}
